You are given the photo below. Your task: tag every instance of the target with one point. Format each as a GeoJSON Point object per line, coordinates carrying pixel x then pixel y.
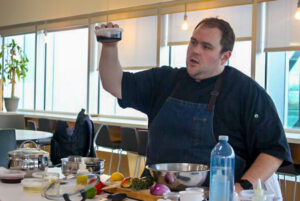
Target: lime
{"type": "Point", "coordinates": [92, 192]}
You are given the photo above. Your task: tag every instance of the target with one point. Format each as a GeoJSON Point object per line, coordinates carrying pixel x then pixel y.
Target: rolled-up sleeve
{"type": "Point", "coordinates": [137, 90]}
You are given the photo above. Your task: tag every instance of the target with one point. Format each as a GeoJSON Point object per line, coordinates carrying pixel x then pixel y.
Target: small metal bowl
{"type": "Point", "coordinates": [178, 176]}
{"type": "Point", "coordinates": [70, 165]}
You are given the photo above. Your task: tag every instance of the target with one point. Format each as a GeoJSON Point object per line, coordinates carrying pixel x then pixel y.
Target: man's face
{"type": "Point", "coordinates": [204, 58]}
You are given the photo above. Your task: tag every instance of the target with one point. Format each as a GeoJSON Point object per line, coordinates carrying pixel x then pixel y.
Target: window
{"type": "Point", "coordinates": [240, 58]}
{"type": "Point", "coordinates": [137, 49]}
{"type": "Point", "coordinates": [65, 71]}
{"type": "Point", "coordinates": [25, 87]}
{"type": "Point", "coordinates": [283, 80]}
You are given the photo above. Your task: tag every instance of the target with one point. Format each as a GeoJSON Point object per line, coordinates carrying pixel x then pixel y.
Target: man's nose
{"type": "Point", "coordinates": [197, 49]}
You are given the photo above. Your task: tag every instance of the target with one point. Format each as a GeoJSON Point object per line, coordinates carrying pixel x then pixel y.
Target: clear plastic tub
{"type": "Point", "coordinates": [108, 35]}
{"type": "Point", "coordinates": [32, 185]}
{"type": "Point", "coordinates": [246, 195]}
{"type": "Point", "coordinates": [195, 189]}
{"type": "Point", "coordinates": [171, 196]}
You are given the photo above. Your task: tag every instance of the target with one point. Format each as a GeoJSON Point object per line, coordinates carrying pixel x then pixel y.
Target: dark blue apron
{"type": "Point", "coordinates": [183, 131]}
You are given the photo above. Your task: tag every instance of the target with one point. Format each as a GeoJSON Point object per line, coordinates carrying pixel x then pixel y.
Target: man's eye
{"type": "Point", "coordinates": [193, 42]}
{"type": "Point", "coordinates": [206, 47]}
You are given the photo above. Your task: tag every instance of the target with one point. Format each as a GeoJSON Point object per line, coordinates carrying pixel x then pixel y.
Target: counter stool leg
{"type": "Point", "coordinates": [120, 158]}
{"type": "Point", "coordinates": [110, 161]}
{"type": "Point", "coordinates": [136, 165]}
{"type": "Point", "coordinates": [295, 188]}
{"type": "Point", "coordinates": [139, 167]}
{"type": "Point", "coordinates": [285, 198]}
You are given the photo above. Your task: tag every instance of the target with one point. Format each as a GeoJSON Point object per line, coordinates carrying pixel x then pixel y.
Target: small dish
{"type": "Point", "coordinates": [108, 35]}
{"type": "Point", "coordinates": [11, 176]}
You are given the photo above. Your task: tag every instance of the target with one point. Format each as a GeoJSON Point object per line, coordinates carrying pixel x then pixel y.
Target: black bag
{"type": "Point", "coordinates": [79, 142]}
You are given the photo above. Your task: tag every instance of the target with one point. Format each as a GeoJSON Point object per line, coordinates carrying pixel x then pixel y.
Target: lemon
{"type": "Point", "coordinates": [116, 176]}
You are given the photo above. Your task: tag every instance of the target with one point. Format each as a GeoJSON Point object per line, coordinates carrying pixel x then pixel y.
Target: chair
{"type": "Point", "coordinates": [15, 121]}
{"type": "Point", "coordinates": [129, 143]}
{"type": "Point", "coordinates": [8, 143]}
{"type": "Point", "coordinates": [293, 171]}
{"type": "Point", "coordinates": [142, 146]}
{"type": "Point", "coordinates": [102, 139]}
{"type": "Point", "coordinates": [44, 125]}
{"type": "Point", "coordinates": [31, 125]}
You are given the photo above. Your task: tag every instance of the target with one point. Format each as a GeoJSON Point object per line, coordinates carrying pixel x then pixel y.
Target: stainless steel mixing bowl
{"type": "Point", "coordinates": [178, 176]}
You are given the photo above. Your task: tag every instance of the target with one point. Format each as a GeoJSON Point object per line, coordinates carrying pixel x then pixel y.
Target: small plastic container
{"type": "Point", "coordinates": [195, 189]}
{"type": "Point", "coordinates": [11, 176]}
{"type": "Point", "coordinates": [191, 196]}
{"type": "Point", "coordinates": [171, 196]}
{"type": "Point", "coordinates": [246, 195]}
{"type": "Point", "coordinates": [108, 35]}
{"type": "Point", "coordinates": [32, 185]}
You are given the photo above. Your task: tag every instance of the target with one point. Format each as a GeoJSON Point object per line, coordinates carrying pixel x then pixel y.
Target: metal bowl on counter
{"type": "Point", "coordinates": [70, 165]}
{"type": "Point", "coordinates": [178, 176]}
{"type": "Point", "coordinates": [28, 158]}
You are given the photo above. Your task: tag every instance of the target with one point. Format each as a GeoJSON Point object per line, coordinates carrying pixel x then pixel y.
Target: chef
{"type": "Point", "coordinates": [189, 107]}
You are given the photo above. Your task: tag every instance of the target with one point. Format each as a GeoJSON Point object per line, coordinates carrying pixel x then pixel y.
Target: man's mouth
{"type": "Point", "coordinates": [194, 61]}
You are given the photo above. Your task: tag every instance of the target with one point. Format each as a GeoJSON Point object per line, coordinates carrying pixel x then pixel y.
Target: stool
{"type": "Point", "coordinates": [102, 139]}
{"type": "Point", "coordinates": [293, 171]}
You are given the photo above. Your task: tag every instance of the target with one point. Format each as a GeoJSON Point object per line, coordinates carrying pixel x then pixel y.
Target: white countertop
{"type": "Point", "coordinates": [14, 192]}
{"type": "Point", "coordinates": [111, 121]}
{"type": "Point", "coordinates": [115, 121]}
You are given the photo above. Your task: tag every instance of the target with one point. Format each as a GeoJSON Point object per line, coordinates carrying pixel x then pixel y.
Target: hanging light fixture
{"type": "Point", "coordinates": [297, 15]}
{"type": "Point", "coordinates": [185, 25]}
{"type": "Point", "coordinates": [45, 36]}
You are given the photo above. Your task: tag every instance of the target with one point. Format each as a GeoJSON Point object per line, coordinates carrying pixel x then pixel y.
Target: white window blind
{"type": "Point", "coordinates": [282, 30]}
{"type": "Point", "coordinates": [239, 17]}
{"type": "Point", "coordinates": [139, 41]}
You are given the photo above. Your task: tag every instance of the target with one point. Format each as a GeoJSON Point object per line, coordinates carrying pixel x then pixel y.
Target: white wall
{"type": "Point", "coordinates": [24, 11]}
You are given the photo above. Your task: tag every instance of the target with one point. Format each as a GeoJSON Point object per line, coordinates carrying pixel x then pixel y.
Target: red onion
{"type": "Point", "coordinates": [159, 189]}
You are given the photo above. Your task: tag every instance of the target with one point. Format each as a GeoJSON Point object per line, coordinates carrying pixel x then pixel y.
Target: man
{"type": "Point", "coordinates": [188, 108]}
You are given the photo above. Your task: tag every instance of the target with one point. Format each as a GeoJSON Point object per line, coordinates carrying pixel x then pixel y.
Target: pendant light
{"type": "Point", "coordinates": [185, 25]}
{"type": "Point", "coordinates": [297, 15]}
{"type": "Point", "coordinates": [45, 36]}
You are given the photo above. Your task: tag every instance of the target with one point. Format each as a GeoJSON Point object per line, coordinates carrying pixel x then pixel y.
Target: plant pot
{"type": "Point", "coordinates": [11, 104]}
{"type": "Point", "coordinates": [1, 94]}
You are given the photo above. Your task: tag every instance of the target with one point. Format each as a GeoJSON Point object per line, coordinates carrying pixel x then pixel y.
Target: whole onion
{"type": "Point", "coordinates": [159, 189]}
{"type": "Point", "coordinates": [169, 178]}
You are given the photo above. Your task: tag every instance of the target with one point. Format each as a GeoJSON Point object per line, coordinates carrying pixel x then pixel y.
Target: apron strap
{"type": "Point", "coordinates": [215, 92]}
{"type": "Point", "coordinates": [177, 85]}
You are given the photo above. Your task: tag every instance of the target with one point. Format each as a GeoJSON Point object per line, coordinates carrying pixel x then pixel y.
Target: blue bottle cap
{"type": "Point", "coordinates": [223, 137]}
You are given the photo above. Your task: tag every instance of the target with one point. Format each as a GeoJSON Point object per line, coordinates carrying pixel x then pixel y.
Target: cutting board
{"type": "Point", "coordinates": [140, 195]}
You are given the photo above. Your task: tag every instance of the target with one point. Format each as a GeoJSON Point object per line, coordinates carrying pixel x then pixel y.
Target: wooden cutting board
{"type": "Point", "coordinates": [140, 195]}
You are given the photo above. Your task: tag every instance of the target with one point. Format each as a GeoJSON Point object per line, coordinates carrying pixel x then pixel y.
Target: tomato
{"type": "Point", "coordinates": [99, 187]}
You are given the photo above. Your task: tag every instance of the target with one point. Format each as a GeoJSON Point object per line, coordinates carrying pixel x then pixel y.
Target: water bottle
{"type": "Point", "coordinates": [221, 171]}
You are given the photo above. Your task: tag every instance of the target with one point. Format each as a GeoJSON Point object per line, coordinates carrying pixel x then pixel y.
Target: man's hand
{"type": "Point", "coordinates": [238, 188]}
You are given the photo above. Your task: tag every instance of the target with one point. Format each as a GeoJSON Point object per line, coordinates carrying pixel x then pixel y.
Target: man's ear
{"type": "Point", "coordinates": [225, 56]}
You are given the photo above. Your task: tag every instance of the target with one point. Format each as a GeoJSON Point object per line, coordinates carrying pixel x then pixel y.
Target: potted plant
{"type": "Point", "coordinates": [15, 65]}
